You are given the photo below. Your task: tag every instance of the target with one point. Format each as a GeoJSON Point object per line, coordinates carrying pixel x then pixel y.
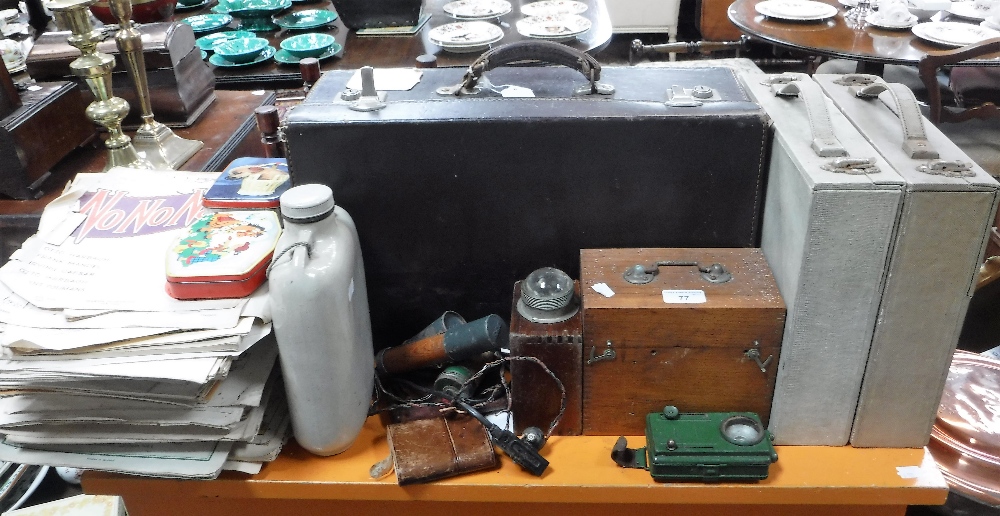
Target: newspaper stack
{"type": "Point", "coordinates": [101, 369]}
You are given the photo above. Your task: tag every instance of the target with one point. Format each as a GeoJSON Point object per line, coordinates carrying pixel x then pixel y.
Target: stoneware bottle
{"type": "Point", "coordinates": [319, 308]}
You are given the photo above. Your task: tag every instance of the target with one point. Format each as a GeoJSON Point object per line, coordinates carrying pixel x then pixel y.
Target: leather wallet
{"type": "Point", "coordinates": [429, 449]}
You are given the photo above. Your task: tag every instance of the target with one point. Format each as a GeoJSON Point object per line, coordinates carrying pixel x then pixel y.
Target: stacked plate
{"type": "Point", "coordinates": [477, 9]}
{"type": "Point", "coordinates": [465, 36]}
{"type": "Point", "coordinates": [970, 10]}
{"type": "Point", "coordinates": [796, 10]}
{"type": "Point", "coordinates": [953, 34]}
{"type": "Point", "coordinates": [551, 7]}
{"type": "Point", "coordinates": [893, 16]}
{"type": "Point", "coordinates": [553, 27]}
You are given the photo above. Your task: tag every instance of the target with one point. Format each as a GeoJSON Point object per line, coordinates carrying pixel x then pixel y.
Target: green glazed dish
{"type": "Point", "coordinates": [204, 23]}
{"type": "Point", "coordinates": [241, 50]}
{"type": "Point", "coordinates": [307, 45]}
{"type": "Point", "coordinates": [307, 19]}
{"type": "Point", "coordinates": [285, 58]}
{"type": "Point", "coordinates": [208, 42]}
{"type": "Point", "coordinates": [219, 61]}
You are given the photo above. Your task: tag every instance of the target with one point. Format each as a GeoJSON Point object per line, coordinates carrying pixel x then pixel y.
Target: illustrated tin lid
{"type": "Point", "coordinates": [224, 246]}
{"type": "Point", "coordinates": [249, 183]}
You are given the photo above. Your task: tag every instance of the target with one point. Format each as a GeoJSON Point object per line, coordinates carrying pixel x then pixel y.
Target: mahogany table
{"type": "Point", "coordinates": [228, 129]}
{"type": "Point", "coordinates": [871, 46]}
{"type": "Point", "coordinates": [390, 51]}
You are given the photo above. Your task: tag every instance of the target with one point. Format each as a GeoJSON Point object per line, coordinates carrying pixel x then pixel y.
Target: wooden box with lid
{"type": "Point", "coordinates": [699, 329]}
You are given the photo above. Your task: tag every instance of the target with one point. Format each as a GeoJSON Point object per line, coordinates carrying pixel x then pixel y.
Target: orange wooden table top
{"type": "Point", "coordinates": [806, 479]}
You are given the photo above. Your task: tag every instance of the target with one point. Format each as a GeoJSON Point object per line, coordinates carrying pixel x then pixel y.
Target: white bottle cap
{"type": "Point", "coordinates": [307, 203]}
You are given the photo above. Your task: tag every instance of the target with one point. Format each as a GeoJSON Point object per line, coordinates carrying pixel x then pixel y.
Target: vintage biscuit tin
{"type": "Point", "coordinates": [249, 183]}
{"type": "Point", "coordinates": [223, 255]}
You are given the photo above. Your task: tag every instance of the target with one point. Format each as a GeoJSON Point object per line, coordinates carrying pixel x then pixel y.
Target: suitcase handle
{"type": "Point", "coordinates": [542, 51]}
{"type": "Point", "coordinates": [907, 109]}
{"type": "Point", "coordinates": [824, 141]}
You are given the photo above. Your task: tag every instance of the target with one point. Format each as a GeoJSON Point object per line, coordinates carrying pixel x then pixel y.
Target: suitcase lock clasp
{"type": "Point", "coordinates": [369, 99]}
{"type": "Point", "coordinates": [754, 354]}
{"type": "Point", "coordinates": [640, 274]}
{"type": "Point", "coordinates": [609, 354]}
{"type": "Point", "coordinates": [852, 166]}
{"type": "Point", "coordinates": [940, 167]}
{"type": "Point", "coordinates": [678, 96]}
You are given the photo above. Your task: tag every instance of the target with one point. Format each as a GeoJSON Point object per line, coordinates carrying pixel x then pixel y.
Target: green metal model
{"type": "Point", "coordinates": [712, 447]}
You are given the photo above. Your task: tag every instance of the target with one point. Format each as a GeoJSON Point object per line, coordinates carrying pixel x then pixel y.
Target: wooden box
{"type": "Point", "coordinates": [679, 339]}
{"type": "Point", "coordinates": [534, 395]}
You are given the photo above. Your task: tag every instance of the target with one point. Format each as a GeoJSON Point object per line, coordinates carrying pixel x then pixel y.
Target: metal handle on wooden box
{"type": "Point", "coordinates": [640, 274]}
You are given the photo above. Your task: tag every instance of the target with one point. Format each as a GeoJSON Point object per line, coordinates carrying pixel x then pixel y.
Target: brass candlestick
{"type": "Point", "coordinates": [153, 140]}
{"type": "Point", "coordinates": [95, 68]}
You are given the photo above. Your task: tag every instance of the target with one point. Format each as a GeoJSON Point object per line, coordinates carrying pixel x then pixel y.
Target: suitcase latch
{"type": "Point", "coordinates": [369, 99]}
{"type": "Point", "coordinates": [940, 167]}
{"type": "Point", "coordinates": [678, 96]}
{"type": "Point", "coordinates": [609, 354]}
{"type": "Point", "coordinates": [640, 274]}
{"type": "Point", "coordinates": [852, 166]}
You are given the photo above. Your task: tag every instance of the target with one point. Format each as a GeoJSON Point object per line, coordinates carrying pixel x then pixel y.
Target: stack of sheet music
{"type": "Point", "coordinates": [101, 369]}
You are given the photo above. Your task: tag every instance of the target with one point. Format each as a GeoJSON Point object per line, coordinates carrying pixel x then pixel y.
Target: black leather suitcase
{"type": "Point", "coordinates": [458, 194]}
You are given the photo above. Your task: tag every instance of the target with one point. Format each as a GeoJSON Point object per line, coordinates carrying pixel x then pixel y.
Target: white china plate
{"type": "Point", "coordinates": [477, 9]}
{"type": "Point", "coordinates": [989, 25]}
{"type": "Point", "coordinates": [968, 10]}
{"type": "Point", "coordinates": [796, 10]}
{"type": "Point", "coordinates": [465, 34]}
{"type": "Point", "coordinates": [953, 33]}
{"type": "Point", "coordinates": [550, 7]}
{"type": "Point", "coordinates": [876, 20]}
{"type": "Point", "coordinates": [557, 27]}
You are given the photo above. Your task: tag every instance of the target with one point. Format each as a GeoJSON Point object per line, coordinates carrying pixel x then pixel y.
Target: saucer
{"type": "Point", "coordinates": [559, 27]}
{"type": "Point", "coordinates": [308, 19]}
{"type": "Point", "coordinates": [968, 10]}
{"type": "Point", "coordinates": [550, 7]}
{"type": "Point", "coordinates": [17, 67]}
{"type": "Point", "coordinates": [877, 21]}
{"type": "Point", "coordinates": [208, 42]}
{"type": "Point", "coordinates": [477, 9]}
{"type": "Point", "coordinates": [268, 53]}
{"type": "Point", "coordinates": [207, 22]}
{"type": "Point", "coordinates": [284, 57]}
{"type": "Point", "coordinates": [182, 7]}
{"type": "Point", "coordinates": [953, 34]}
{"type": "Point", "coordinates": [796, 10]}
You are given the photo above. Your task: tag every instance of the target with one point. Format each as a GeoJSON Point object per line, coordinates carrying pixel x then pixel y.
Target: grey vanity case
{"type": "Point", "coordinates": [830, 209]}
{"type": "Point", "coordinates": [948, 206]}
